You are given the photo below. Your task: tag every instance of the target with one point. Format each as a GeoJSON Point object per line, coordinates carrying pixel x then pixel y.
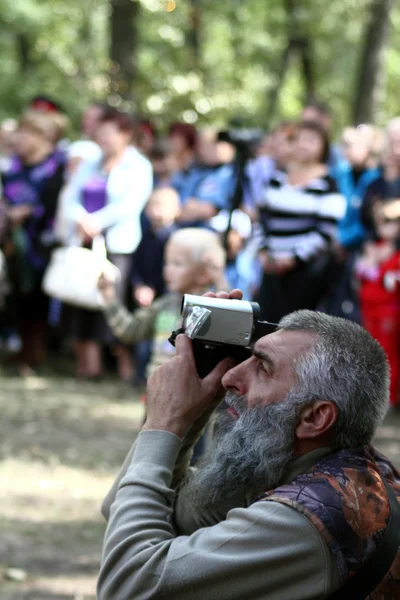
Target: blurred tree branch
{"type": "Point", "coordinates": [371, 62]}
{"type": "Point", "coordinates": [24, 51]}
{"type": "Point", "coordinates": [297, 42]}
{"type": "Point", "coordinates": [193, 35]}
{"type": "Point", "coordinates": [123, 44]}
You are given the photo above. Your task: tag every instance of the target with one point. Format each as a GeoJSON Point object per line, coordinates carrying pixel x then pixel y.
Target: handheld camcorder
{"type": "Point", "coordinates": [219, 329]}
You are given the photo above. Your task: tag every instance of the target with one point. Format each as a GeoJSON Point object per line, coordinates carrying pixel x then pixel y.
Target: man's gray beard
{"type": "Point", "coordinates": [248, 455]}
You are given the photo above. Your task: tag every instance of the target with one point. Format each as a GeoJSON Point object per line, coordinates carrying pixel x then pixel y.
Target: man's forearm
{"type": "Point", "coordinates": [143, 490]}
{"type": "Point", "coordinates": [109, 499]}
{"type": "Point", "coordinates": [181, 465]}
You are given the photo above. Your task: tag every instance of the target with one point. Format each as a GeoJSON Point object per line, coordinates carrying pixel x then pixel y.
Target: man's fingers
{"type": "Point", "coordinates": [224, 295]}
{"type": "Point", "coordinates": [183, 346]}
{"type": "Point", "coordinates": [236, 294]}
{"type": "Point", "coordinates": [213, 379]}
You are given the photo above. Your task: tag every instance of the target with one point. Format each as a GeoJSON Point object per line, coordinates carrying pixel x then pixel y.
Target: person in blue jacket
{"type": "Point", "coordinates": [208, 185]}
{"type": "Point", "coordinates": [362, 147]}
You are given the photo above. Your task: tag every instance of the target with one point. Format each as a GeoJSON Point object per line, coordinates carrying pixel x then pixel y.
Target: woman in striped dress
{"type": "Point", "coordinates": [298, 216]}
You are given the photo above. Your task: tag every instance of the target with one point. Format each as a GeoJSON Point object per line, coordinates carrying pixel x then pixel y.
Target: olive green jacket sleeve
{"type": "Point", "coordinates": [131, 327]}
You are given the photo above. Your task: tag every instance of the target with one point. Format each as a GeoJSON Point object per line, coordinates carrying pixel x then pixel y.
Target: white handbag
{"type": "Point", "coordinates": [72, 274]}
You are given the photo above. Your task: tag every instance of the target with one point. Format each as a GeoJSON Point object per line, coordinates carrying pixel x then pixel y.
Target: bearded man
{"type": "Point", "coordinates": [292, 500]}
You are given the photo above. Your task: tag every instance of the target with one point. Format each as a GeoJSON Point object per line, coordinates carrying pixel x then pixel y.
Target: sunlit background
{"type": "Point", "coordinates": [202, 61]}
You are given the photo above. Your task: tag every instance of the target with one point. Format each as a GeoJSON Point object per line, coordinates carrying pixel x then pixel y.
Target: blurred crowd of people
{"type": "Point", "coordinates": [317, 226]}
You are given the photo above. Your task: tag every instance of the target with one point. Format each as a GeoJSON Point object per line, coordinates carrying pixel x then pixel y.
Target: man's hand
{"type": "Point", "coordinates": [176, 397]}
{"type": "Point", "coordinates": [235, 294]}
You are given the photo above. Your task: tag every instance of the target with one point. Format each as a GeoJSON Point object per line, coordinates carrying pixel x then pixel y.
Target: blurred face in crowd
{"type": "Point", "coordinates": [146, 142]}
{"type": "Point", "coordinates": [207, 149]}
{"type": "Point", "coordinates": [308, 147]}
{"type": "Point", "coordinates": [225, 153]}
{"type": "Point", "coordinates": [163, 160]}
{"type": "Point", "coordinates": [177, 143]}
{"type": "Point", "coordinates": [182, 274]}
{"type": "Point", "coordinates": [29, 142]}
{"type": "Point", "coordinates": [266, 148]}
{"type": "Point", "coordinates": [7, 137]}
{"type": "Point", "coordinates": [388, 229]}
{"type": "Point", "coordinates": [163, 166]}
{"type": "Point", "coordinates": [394, 144]}
{"type": "Point", "coordinates": [311, 113]}
{"type": "Point", "coordinates": [355, 148]}
{"type": "Point", "coordinates": [282, 146]}
{"type": "Point", "coordinates": [111, 139]}
{"type": "Point", "coordinates": [163, 208]}
{"type": "Point", "coordinates": [90, 121]}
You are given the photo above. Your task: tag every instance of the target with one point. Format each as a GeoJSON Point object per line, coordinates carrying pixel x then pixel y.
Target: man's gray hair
{"type": "Point", "coordinates": [347, 366]}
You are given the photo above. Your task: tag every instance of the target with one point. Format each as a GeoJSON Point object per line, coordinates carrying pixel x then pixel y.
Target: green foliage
{"type": "Point", "coordinates": [62, 48]}
{"type": "Point", "coordinates": [66, 52]}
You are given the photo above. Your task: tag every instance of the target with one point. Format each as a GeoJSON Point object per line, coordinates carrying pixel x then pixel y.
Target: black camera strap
{"type": "Point", "coordinates": [378, 564]}
{"type": "Point", "coordinates": [237, 196]}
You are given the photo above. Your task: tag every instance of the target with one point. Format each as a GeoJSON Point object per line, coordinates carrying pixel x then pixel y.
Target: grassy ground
{"type": "Point", "coordinates": [61, 444]}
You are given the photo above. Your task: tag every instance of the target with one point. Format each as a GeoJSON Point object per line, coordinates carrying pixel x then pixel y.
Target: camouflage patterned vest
{"type": "Point", "coordinates": [344, 498]}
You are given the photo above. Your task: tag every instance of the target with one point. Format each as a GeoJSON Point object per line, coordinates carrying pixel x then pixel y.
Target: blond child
{"type": "Point", "coordinates": [192, 260]}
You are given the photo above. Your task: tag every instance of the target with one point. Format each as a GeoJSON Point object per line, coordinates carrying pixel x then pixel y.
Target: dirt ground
{"type": "Point", "coordinates": [61, 444]}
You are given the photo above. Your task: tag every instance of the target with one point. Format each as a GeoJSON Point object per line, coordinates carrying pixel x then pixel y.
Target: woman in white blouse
{"type": "Point", "coordinates": [107, 197]}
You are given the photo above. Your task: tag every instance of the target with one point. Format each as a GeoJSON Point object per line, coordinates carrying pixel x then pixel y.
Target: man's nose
{"type": "Point", "coordinates": [236, 378]}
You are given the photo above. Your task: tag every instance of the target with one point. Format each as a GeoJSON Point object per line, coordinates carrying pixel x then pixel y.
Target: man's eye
{"type": "Point", "coordinates": [261, 367]}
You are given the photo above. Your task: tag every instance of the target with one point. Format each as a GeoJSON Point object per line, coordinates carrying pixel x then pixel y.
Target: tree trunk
{"type": "Point", "coordinates": [84, 46]}
{"type": "Point", "coordinates": [194, 33]}
{"type": "Point", "coordinates": [296, 43]}
{"type": "Point", "coordinates": [123, 46]}
{"type": "Point", "coordinates": [285, 59]}
{"type": "Point", "coordinates": [275, 91]}
{"type": "Point", "coordinates": [370, 72]}
{"type": "Point", "coordinates": [24, 50]}
{"type": "Point", "coordinates": [308, 69]}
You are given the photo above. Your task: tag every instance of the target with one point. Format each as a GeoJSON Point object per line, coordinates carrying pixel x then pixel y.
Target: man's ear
{"type": "Point", "coordinates": [317, 420]}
